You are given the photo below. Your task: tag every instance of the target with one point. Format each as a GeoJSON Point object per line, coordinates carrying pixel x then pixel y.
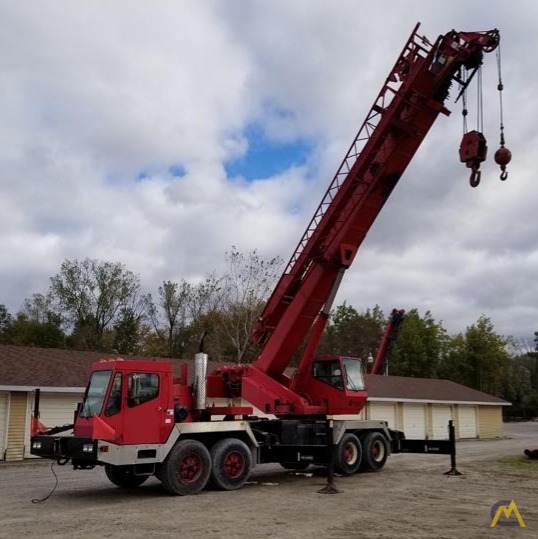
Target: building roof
{"type": "Point", "coordinates": [29, 367]}
{"type": "Point", "coordinates": [403, 388]}
{"type": "Point", "coordinates": [26, 368]}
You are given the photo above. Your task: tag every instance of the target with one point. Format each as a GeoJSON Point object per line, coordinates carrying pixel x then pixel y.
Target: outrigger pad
{"type": "Point", "coordinates": [532, 453]}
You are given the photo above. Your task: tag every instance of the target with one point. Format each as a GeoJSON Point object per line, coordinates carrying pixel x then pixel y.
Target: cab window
{"type": "Point", "coordinates": [354, 374]}
{"type": "Point", "coordinates": [141, 387]}
{"type": "Point", "coordinates": [95, 394]}
{"type": "Point", "coordinates": [328, 372]}
{"type": "Point", "coordinates": [114, 399]}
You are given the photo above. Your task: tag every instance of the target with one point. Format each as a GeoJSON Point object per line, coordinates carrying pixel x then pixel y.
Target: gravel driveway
{"type": "Point", "coordinates": [410, 498]}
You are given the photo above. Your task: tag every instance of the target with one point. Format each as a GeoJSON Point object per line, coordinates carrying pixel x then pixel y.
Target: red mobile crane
{"type": "Point", "coordinates": [138, 421]}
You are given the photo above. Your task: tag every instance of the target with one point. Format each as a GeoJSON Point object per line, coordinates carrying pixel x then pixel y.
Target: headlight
{"type": "Point", "coordinates": [87, 448]}
{"type": "Point", "coordinates": [36, 445]}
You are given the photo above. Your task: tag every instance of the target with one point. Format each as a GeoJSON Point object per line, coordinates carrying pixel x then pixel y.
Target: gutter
{"type": "Point", "coordinates": [44, 389]}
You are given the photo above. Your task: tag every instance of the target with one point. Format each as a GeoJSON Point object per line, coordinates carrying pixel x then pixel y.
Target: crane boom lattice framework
{"type": "Point", "coordinates": [405, 109]}
{"type": "Point", "coordinates": [137, 420]}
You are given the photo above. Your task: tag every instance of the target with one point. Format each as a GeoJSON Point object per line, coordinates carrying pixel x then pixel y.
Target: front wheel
{"type": "Point", "coordinates": [375, 451]}
{"type": "Point", "coordinates": [187, 468]}
{"type": "Point", "coordinates": [232, 464]}
{"type": "Point", "coordinates": [348, 455]}
{"type": "Point", "coordinates": [124, 476]}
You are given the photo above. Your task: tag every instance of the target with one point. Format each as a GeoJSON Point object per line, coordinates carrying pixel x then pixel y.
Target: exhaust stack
{"type": "Point", "coordinates": [200, 379]}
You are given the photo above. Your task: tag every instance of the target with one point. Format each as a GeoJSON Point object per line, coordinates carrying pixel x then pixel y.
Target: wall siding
{"type": "Point", "coordinates": [3, 423]}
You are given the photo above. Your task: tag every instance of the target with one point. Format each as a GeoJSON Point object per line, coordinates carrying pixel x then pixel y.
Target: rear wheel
{"type": "Point", "coordinates": [348, 455]}
{"type": "Point", "coordinates": [124, 476]}
{"type": "Point", "coordinates": [187, 468]}
{"type": "Point", "coordinates": [375, 451]}
{"type": "Point", "coordinates": [232, 464]}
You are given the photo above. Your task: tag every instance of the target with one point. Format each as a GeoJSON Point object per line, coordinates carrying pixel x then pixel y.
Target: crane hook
{"type": "Point", "coordinates": [502, 157]}
{"type": "Point", "coordinates": [473, 151]}
{"type": "Point", "coordinates": [475, 176]}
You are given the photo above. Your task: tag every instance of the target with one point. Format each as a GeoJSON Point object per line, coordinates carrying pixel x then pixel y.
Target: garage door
{"type": "Point", "coordinates": [441, 415]}
{"type": "Point", "coordinates": [414, 417]}
{"type": "Point", "coordinates": [55, 409]}
{"type": "Point", "coordinates": [386, 411]}
{"type": "Point", "coordinates": [467, 421]}
{"type": "Point", "coordinates": [3, 424]}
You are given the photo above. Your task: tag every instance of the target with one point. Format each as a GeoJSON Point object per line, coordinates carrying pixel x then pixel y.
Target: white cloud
{"type": "Point", "coordinates": [93, 94]}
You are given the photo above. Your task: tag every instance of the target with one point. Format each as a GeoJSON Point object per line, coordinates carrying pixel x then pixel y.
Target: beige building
{"type": "Point", "coordinates": [422, 408]}
{"type": "Point", "coordinates": [419, 407]}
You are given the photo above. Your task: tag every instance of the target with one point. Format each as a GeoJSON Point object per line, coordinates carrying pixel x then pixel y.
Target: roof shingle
{"type": "Point", "coordinates": [50, 367]}
{"type": "Point", "coordinates": [404, 388]}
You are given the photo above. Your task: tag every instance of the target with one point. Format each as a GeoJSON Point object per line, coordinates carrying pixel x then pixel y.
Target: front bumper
{"type": "Point", "coordinates": [81, 451]}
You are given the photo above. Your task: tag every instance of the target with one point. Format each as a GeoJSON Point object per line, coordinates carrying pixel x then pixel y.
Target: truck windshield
{"type": "Point", "coordinates": [354, 376]}
{"type": "Point", "coordinates": [95, 394]}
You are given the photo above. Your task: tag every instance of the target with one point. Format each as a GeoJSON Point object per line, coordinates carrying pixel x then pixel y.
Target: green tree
{"type": "Point", "coordinates": [126, 332]}
{"type": "Point", "coordinates": [420, 346]}
{"type": "Point", "coordinates": [518, 388]}
{"type": "Point", "coordinates": [478, 358]}
{"type": "Point", "coordinates": [90, 293]}
{"type": "Point", "coordinates": [246, 285]}
{"type": "Point", "coordinates": [40, 308]}
{"type": "Point", "coordinates": [534, 371]}
{"type": "Point", "coordinates": [521, 387]}
{"type": "Point", "coordinates": [169, 315]}
{"type": "Point", "coordinates": [35, 325]}
{"type": "Point", "coordinates": [46, 333]}
{"type": "Point", "coordinates": [205, 297]}
{"type": "Point", "coordinates": [6, 320]}
{"type": "Point", "coordinates": [350, 333]}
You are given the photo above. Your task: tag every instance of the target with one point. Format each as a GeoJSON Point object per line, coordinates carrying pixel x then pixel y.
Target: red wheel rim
{"type": "Point", "coordinates": [190, 468]}
{"type": "Point", "coordinates": [350, 453]}
{"type": "Point", "coordinates": [234, 464]}
{"type": "Point", "coordinates": [378, 451]}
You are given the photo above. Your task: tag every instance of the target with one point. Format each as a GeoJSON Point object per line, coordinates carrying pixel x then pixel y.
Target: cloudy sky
{"type": "Point", "coordinates": [159, 134]}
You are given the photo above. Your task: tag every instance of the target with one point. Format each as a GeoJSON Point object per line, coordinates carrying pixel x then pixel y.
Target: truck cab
{"type": "Point", "coordinates": [127, 402]}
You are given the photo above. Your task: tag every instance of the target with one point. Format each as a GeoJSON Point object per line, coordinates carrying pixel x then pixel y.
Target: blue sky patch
{"type": "Point", "coordinates": [176, 171]}
{"type": "Point", "coordinates": [265, 157]}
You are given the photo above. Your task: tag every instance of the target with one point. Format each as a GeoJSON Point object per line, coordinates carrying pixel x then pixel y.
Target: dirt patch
{"type": "Point", "coordinates": [410, 497]}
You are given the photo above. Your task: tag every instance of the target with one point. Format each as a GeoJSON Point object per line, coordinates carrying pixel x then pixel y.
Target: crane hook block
{"type": "Point", "coordinates": [502, 157]}
{"type": "Point", "coordinates": [473, 151]}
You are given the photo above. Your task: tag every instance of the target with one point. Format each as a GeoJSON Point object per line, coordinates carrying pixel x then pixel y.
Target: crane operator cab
{"type": "Point", "coordinates": [340, 373]}
{"type": "Point", "coordinates": [336, 383]}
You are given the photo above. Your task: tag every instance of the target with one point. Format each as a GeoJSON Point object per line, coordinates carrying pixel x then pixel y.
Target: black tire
{"type": "Point", "coordinates": [348, 455]}
{"type": "Point", "coordinates": [297, 466]}
{"type": "Point", "coordinates": [187, 468]}
{"type": "Point", "coordinates": [124, 476]}
{"type": "Point", "coordinates": [375, 451]}
{"type": "Point", "coordinates": [231, 464]}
